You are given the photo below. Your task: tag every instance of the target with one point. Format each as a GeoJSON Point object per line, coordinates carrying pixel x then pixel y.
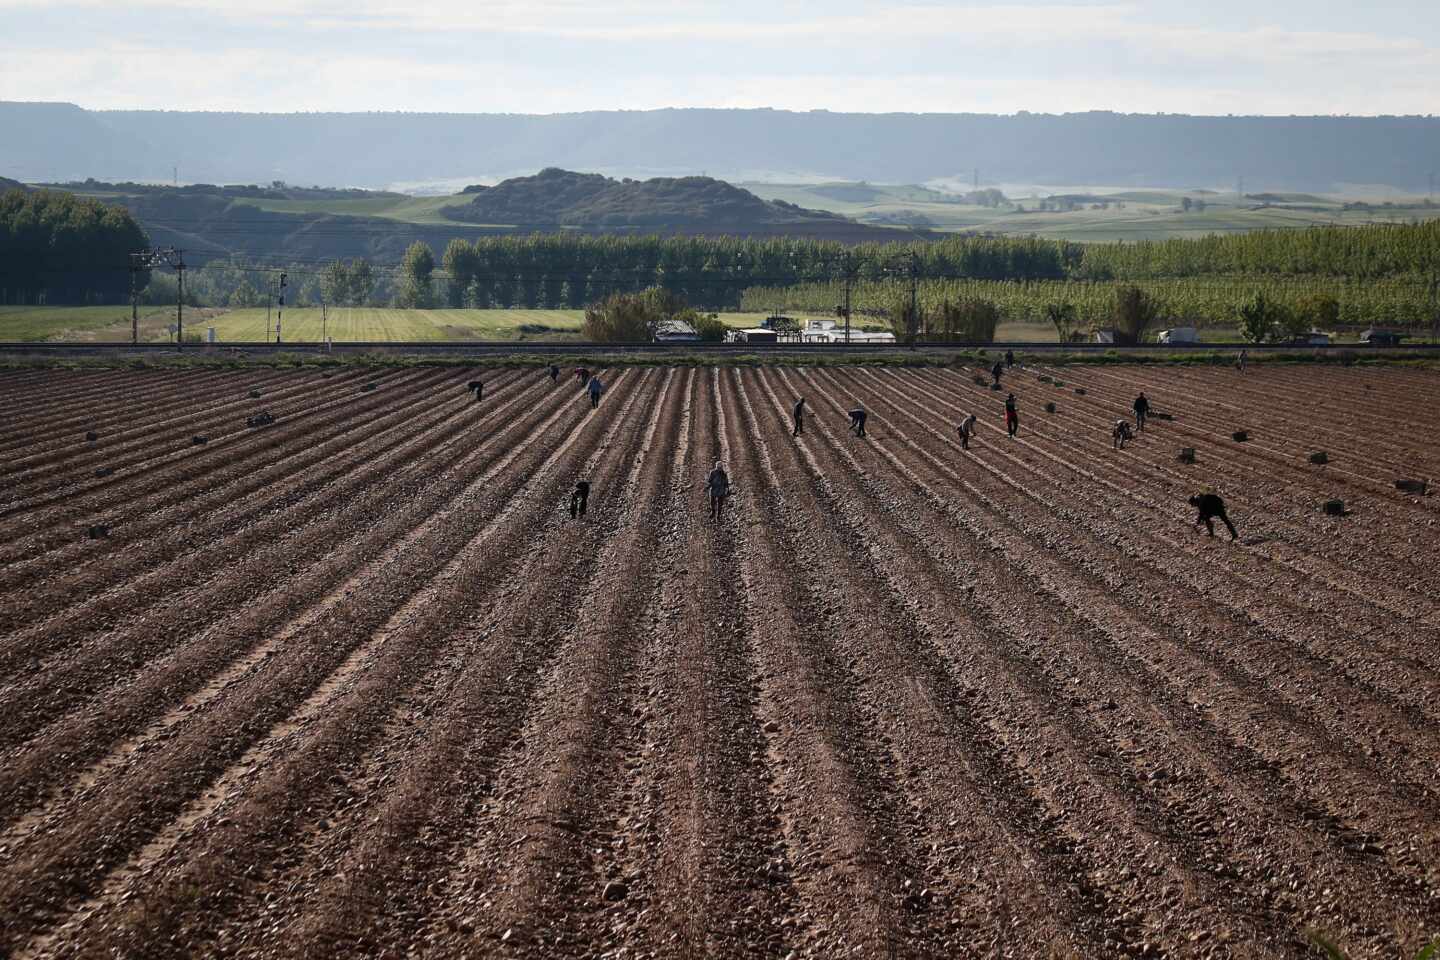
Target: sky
{"type": "Point", "coordinates": [553, 56]}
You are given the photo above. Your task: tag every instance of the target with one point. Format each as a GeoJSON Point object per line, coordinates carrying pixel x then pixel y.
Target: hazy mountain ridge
{"type": "Point", "coordinates": [62, 141]}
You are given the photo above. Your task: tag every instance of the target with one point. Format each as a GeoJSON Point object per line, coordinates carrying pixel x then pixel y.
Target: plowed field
{"type": "Point", "coordinates": [355, 683]}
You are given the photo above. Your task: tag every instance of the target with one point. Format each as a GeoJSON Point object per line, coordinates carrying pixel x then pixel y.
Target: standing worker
{"type": "Point", "coordinates": [799, 418]}
{"type": "Point", "coordinates": [1211, 508]}
{"type": "Point", "coordinates": [579, 499]}
{"type": "Point", "coordinates": [1142, 410]}
{"type": "Point", "coordinates": [554, 373]}
{"type": "Point", "coordinates": [718, 483]}
{"type": "Point", "coordinates": [1009, 359]}
{"type": "Point", "coordinates": [1012, 417]}
{"type": "Point", "coordinates": [967, 430]}
{"type": "Point", "coordinates": [857, 420]}
{"type": "Point", "coordinates": [1241, 358]}
{"type": "Point", "coordinates": [596, 388]}
{"type": "Point", "coordinates": [995, 372]}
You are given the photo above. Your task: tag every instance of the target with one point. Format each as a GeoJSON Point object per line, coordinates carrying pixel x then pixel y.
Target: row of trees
{"type": "Point", "coordinates": [59, 248]}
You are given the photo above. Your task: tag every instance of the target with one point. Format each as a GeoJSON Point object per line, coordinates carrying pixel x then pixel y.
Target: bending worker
{"type": "Point", "coordinates": [1211, 508]}
{"type": "Point", "coordinates": [857, 420]}
{"type": "Point", "coordinates": [967, 430]}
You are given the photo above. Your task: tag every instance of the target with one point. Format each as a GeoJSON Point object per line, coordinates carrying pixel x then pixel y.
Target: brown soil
{"type": "Point", "coordinates": [355, 684]}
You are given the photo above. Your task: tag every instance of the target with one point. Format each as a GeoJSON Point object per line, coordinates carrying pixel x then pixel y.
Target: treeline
{"type": "Point", "coordinates": [709, 272]}
{"type": "Point", "coordinates": [59, 248]}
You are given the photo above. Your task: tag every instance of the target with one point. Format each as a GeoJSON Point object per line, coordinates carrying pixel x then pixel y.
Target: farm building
{"type": "Point", "coordinates": [1381, 338]}
{"type": "Point", "coordinates": [676, 331]}
{"type": "Point", "coordinates": [829, 331]}
{"type": "Point", "coordinates": [1179, 335]}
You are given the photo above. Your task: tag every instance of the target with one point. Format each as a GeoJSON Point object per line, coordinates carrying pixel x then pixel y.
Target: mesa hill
{"type": "Point", "coordinates": [590, 201]}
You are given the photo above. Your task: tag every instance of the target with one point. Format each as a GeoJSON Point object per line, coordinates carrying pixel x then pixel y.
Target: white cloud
{"type": "Point", "coordinates": [558, 55]}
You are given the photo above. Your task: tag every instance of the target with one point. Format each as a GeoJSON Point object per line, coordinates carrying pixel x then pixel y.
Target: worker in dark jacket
{"type": "Point", "coordinates": [579, 499]}
{"type": "Point", "coordinates": [718, 484]}
{"type": "Point", "coordinates": [995, 372]}
{"type": "Point", "coordinates": [799, 418]}
{"type": "Point", "coordinates": [857, 421]}
{"type": "Point", "coordinates": [1009, 359]}
{"type": "Point", "coordinates": [596, 388]}
{"type": "Point", "coordinates": [1142, 410]}
{"type": "Point", "coordinates": [478, 387]}
{"type": "Point", "coordinates": [554, 373]}
{"type": "Point", "coordinates": [1012, 417]}
{"type": "Point", "coordinates": [1211, 508]}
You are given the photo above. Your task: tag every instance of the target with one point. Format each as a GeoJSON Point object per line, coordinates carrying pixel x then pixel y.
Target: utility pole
{"type": "Point", "coordinates": [179, 266]}
{"type": "Point", "coordinates": [134, 299]}
{"type": "Point", "coordinates": [1435, 306]}
{"type": "Point", "coordinates": [280, 308]}
{"type": "Point", "coordinates": [914, 296]}
{"type": "Point", "coordinates": [1431, 195]}
{"type": "Point", "coordinates": [1240, 190]}
{"type": "Point", "coordinates": [149, 260]}
{"type": "Point", "coordinates": [847, 268]}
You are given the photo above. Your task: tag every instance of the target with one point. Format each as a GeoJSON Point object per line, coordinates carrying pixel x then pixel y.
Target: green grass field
{"type": "Point", "coordinates": [303, 324]}
{"type": "Point", "coordinates": [80, 323]}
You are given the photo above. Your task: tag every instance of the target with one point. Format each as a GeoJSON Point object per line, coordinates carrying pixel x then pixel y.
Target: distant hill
{"type": "Point", "coordinates": [56, 141]}
{"type": "Point", "coordinates": [286, 222]}
{"type": "Point", "coordinates": [6, 185]}
{"type": "Point", "coordinates": [555, 197]}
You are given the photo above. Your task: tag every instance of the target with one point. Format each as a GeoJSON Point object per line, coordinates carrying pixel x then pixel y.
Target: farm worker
{"type": "Point", "coordinates": [967, 430]}
{"type": "Point", "coordinates": [1012, 417]}
{"type": "Point", "coordinates": [596, 388]}
{"type": "Point", "coordinates": [799, 418]}
{"type": "Point", "coordinates": [1240, 359]}
{"type": "Point", "coordinates": [582, 374]}
{"type": "Point", "coordinates": [479, 389]}
{"type": "Point", "coordinates": [579, 499]}
{"type": "Point", "coordinates": [718, 483]}
{"type": "Point", "coordinates": [1121, 433]}
{"type": "Point", "coordinates": [857, 420]}
{"type": "Point", "coordinates": [995, 372]}
{"type": "Point", "coordinates": [1009, 359]}
{"type": "Point", "coordinates": [554, 373]}
{"type": "Point", "coordinates": [1211, 507]}
{"type": "Point", "coordinates": [1142, 410]}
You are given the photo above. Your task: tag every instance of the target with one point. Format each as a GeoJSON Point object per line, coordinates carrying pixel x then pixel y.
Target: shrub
{"type": "Point", "coordinates": [1260, 318]}
{"type": "Point", "coordinates": [973, 319]}
{"type": "Point", "coordinates": [710, 327]}
{"type": "Point", "coordinates": [1135, 312]}
{"type": "Point", "coordinates": [1062, 316]}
